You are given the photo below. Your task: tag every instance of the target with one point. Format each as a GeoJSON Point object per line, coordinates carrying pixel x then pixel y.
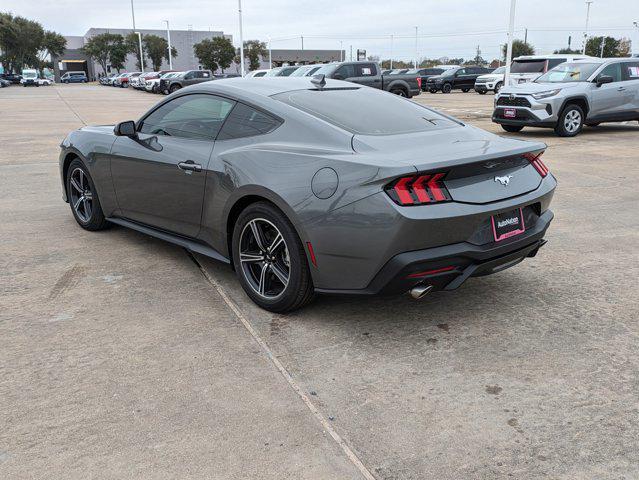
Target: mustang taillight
{"type": "Point", "coordinates": [418, 189]}
{"type": "Point", "coordinates": [535, 161]}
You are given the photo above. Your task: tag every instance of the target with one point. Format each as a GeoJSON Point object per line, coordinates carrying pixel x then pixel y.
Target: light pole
{"type": "Point", "coordinates": [391, 59]}
{"type": "Point", "coordinates": [270, 55]}
{"type": "Point", "coordinates": [636, 24]}
{"type": "Point", "coordinates": [302, 37]}
{"type": "Point", "coordinates": [341, 51]}
{"type": "Point", "coordinates": [168, 36]}
{"type": "Point", "coordinates": [509, 47]}
{"type": "Point", "coordinates": [588, 2]}
{"type": "Point", "coordinates": [415, 60]}
{"type": "Point", "coordinates": [141, 55]}
{"type": "Point", "coordinates": [239, 10]}
{"type": "Point", "coordinates": [139, 36]}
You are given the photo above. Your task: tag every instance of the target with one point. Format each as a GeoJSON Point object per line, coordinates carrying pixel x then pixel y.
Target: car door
{"type": "Point", "coordinates": [345, 72]}
{"type": "Point", "coordinates": [609, 100]}
{"type": "Point", "coordinates": [630, 81]}
{"type": "Point", "coordinates": [460, 78]}
{"type": "Point", "coordinates": [366, 74]}
{"type": "Point", "coordinates": [159, 177]}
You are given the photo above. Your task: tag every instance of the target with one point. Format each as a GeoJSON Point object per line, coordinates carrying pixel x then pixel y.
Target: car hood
{"type": "Point", "coordinates": [533, 87]}
{"type": "Point", "coordinates": [491, 76]}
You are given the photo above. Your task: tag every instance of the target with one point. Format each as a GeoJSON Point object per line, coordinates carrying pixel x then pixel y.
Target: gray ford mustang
{"type": "Point", "coordinates": [307, 186]}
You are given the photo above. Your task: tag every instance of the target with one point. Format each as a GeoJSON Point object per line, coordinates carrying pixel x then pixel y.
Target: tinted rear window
{"type": "Point", "coordinates": [365, 111]}
{"type": "Point", "coordinates": [528, 66]}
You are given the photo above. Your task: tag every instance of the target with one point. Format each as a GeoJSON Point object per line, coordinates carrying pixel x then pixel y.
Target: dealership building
{"type": "Point", "coordinates": [73, 59]}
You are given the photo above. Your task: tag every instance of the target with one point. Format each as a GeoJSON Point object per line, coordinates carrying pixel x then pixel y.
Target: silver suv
{"type": "Point", "coordinates": [589, 91]}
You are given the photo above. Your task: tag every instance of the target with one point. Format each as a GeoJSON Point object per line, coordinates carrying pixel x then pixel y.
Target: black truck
{"type": "Point", "coordinates": [190, 77]}
{"type": "Point", "coordinates": [462, 78]}
{"type": "Point", "coordinates": [369, 74]}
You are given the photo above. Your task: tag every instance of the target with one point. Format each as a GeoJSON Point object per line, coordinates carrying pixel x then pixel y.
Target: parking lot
{"type": "Point", "coordinates": [121, 357]}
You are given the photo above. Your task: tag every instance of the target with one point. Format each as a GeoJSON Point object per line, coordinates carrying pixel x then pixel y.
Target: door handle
{"type": "Point", "coordinates": [190, 166]}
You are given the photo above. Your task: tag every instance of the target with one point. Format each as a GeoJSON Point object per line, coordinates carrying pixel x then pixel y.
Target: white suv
{"type": "Point", "coordinates": [590, 92]}
{"type": "Point", "coordinates": [492, 81]}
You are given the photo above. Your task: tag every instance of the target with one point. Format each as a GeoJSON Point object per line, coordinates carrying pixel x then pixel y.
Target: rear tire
{"type": "Point", "coordinates": [498, 87]}
{"type": "Point", "coordinates": [258, 277]}
{"type": "Point", "coordinates": [83, 197]}
{"type": "Point", "coordinates": [571, 121]}
{"type": "Point", "coordinates": [447, 88]}
{"type": "Point", "coordinates": [512, 128]}
{"type": "Point", "coordinates": [400, 92]}
{"type": "Point", "coordinates": [174, 88]}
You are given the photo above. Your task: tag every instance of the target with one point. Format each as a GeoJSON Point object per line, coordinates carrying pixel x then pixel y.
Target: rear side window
{"type": "Point", "coordinates": [365, 70]}
{"type": "Point", "coordinates": [365, 111]}
{"type": "Point", "coordinates": [245, 121]}
{"type": "Point", "coordinates": [631, 70]}
{"type": "Point", "coordinates": [528, 66]}
{"type": "Point", "coordinates": [553, 62]}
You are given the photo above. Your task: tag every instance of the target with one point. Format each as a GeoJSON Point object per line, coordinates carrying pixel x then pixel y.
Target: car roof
{"type": "Point", "coordinates": [552, 55]}
{"type": "Point", "coordinates": [264, 86]}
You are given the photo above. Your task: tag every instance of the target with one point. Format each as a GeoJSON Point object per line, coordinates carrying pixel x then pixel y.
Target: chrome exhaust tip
{"type": "Point", "coordinates": [419, 291]}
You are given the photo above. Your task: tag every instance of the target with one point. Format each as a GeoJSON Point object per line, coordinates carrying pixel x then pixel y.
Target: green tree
{"type": "Point", "coordinates": [102, 47]}
{"type": "Point", "coordinates": [119, 52]}
{"type": "Point", "coordinates": [567, 51]}
{"type": "Point", "coordinates": [519, 48]}
{"type": "Point", "coordinates": [612, 47]}
{"type": "Point", "coordinates": [21, 40]}
{"type": "Point", "coordinates": [215, 53]}
{"type": "Point", "coordinates": [157, 49]}
{"type": "Point", "coordinates": [53, 45]}
{"type": "Point", "coordinates": [253, 50]}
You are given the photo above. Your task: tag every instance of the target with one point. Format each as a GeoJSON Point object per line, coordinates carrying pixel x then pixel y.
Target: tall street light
{"type": "Point", "coordinates": [239, 10]}
{"type": "Point", "coordinates": [415, 61]}
{"type": "Point", "coordinates": [509, 47]}
{"type": "Point", "coordinates": [588, 2]}
{"type": "Point", "coordinates": [168, 36]}
{"type": "Point", "coordinates": [139, 36]}
{"type": "Point", "coordinates": [141, 56]}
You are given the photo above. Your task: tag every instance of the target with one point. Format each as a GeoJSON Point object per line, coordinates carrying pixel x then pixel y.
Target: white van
{"type": "Point", "coordinates": [527, 68]}
{"type": "Point", "coordinates": [29, 77]}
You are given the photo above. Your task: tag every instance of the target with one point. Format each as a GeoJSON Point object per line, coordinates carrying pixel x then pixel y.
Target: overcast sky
{"type": "Point", "coordinates": [366, 24]}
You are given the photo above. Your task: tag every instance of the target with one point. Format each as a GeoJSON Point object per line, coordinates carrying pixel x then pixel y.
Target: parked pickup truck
{"type": "Point", "coordinates": [369, 74]}
{"type": "Point", "coordinates": [190, 77]}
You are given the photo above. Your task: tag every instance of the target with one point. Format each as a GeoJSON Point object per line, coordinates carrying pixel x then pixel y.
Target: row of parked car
{"type": "Point", "coordinates": [164, 81]}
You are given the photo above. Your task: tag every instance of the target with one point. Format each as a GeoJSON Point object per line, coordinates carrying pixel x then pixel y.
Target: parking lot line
{"type": "Point", "coordinates": [296, 388]}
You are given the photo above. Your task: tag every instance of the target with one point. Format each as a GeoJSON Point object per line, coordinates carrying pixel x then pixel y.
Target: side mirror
{"type": "Point", "coordinates": [338, 76]}
{"type": "Point", "coordinates": [601, 79]}
{"type": "Point", "coordinates": [125, 129]}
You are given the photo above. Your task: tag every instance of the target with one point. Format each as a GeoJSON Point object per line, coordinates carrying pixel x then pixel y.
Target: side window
{"type": "Point", "coordinates": [631, 71]}
{"type": "Point", "coordinates": [245, 121]}
{"type": "Point", "coordinates": [204, 74]}
{"type": "Point", "coordinates": [197, 116]}
{"type": "Point", "coordinates": [613, 70]}
{"type": "Point", "coordinates": [553, 62]}
{"type": "Point", "coordinates": [365, 70]}
{"type": "Point", "coordinates": [346, 71]}
{"type": "Point", "coordinates": [461, 71]}
{"type": "Point", "coordinates": [472, 71]}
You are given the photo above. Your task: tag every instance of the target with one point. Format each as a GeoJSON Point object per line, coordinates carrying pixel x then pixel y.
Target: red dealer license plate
{"type": "Point", "coordinates": [510, 112]}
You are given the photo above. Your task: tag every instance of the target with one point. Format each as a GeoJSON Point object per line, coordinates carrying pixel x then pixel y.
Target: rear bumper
{"type": "Point", "coordinates": [448, 267]}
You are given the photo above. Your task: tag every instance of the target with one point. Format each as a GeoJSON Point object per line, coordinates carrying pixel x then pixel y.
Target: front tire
{"type": "Point", "coordinates": [270, 260]}
{"type": "Point", "coordinates": [570, 122]}
{"type": "Point", "coordinates": [400, 92]}
{"type": "Point", "coordinates": [447, 88]}
{"type": "Point", "coordinates": [512, 128]}
{"type": "Point", "coordinates": [83, 197]}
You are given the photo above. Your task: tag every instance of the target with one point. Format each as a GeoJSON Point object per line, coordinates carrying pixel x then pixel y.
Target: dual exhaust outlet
{"type": "Point", "coordinates": [420, 291]}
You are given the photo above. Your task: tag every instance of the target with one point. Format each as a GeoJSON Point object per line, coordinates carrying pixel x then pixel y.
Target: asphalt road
{"type": "Point", "coordinates": [122, 357]}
